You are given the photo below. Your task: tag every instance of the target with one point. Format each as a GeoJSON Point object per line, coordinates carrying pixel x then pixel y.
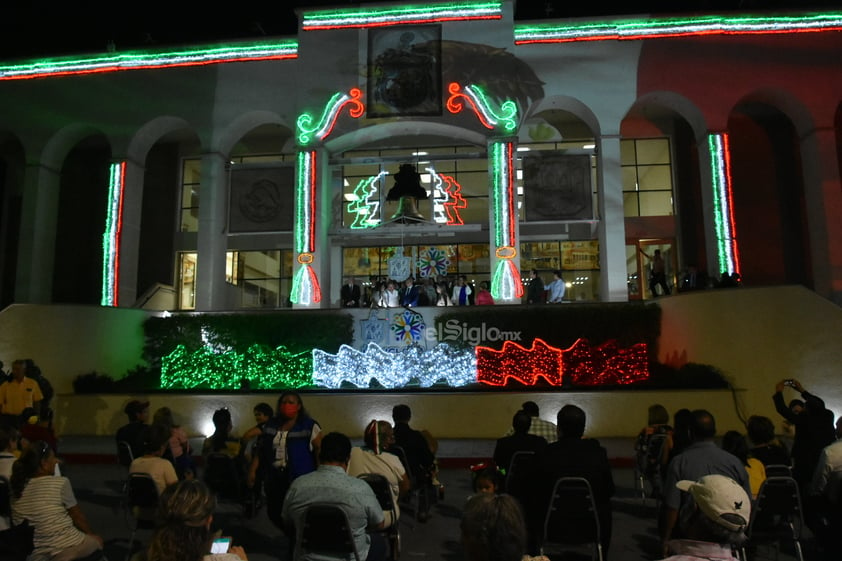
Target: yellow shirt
{"type": "Point", "coordinates": [17, 396]}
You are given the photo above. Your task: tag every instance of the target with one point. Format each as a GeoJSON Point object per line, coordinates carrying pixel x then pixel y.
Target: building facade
{"type": "Point", "coordinates": [258, 174]}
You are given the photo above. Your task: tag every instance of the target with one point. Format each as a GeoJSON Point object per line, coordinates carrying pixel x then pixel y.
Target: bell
{"type": "Point", "coordinates": [407, 210]}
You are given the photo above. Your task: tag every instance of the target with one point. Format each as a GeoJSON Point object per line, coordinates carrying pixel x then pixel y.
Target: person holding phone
{"type": "Point", "coordinates": [185, 511]}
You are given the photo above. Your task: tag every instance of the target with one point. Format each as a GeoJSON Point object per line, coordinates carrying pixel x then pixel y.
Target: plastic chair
{"type": "Point", "coordinates": [325, 530]}
{"type": "Point", "coordinates": [777, 515]}
{"type": "Point", "coordinates": [572, 518]}
{"type": "Point", "coordinates": [382, 490]}
{"type": "Point", "coordinates": [141, 503]}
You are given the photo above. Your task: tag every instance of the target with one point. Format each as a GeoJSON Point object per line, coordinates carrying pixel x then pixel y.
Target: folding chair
{"type": "Point", "coordinates": [778, 470]}
{"type": "Point", "coordinates": [125, 457]}
{"type": "Point", "coordinates": [141, 503]}
{"type": "Point", "coordinates": [519, 466]}
{"type": "Point", "coordinates": [572, 518]}
{"type": "Point", "coordinates": [382, 490]}
{"type": "Point", "coordinates": [227, 480]}
{"type": "Point", "coordinates": [777, 515]}
{"type": "Point", "coordinates": [421, 492]}
{"type": "Point", "coordinates": [325, 530]}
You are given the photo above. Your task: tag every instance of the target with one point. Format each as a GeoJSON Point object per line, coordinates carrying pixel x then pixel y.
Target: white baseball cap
{"type": "Point", "coordinates": [717, 495]}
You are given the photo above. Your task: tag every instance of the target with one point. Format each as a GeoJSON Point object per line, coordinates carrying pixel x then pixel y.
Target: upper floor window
{"type": "Point", "coordinates": [647, 177]}
{"type": "Point", "coordinates": [191, 177]}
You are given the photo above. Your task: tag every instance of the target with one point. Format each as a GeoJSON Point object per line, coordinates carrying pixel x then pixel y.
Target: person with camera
{"type": "Point", "coordinates": [814, 430]}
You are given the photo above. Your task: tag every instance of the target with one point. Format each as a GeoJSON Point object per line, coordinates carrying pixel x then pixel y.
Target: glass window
{"type": "Point", "coordinates": [263, 279]}
{"type": "Point", "coordinates": [187, 281]}
{"type": "Point", "coordinates": [191, 176]}
{"type": "Point", "coordinates": [647, 177]}
{"type": "Point", "coordinates": [577, 260]}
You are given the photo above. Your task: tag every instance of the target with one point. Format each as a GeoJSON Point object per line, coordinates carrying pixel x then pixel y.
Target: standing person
{"type": "Point", "coordinates": [34, 372]}
{"type": "Point", "coordinates": [17, 394]}
{"type": "Point", "coordinates": [390, 298]}
{"type": "Point", "coordinates": [556, 288]}
{"type": "Point", "coordinates": [62, 532]}
{"type": "Point", "coordinates": [350, 294]}
{"type": "Point", "coordinates": [657, 273]}
{"type": "Point", "coordinates": [410, 294]}
{"type": "Point", "coordinates": [535, 293]}
{"type": "Point", "coordinates": [288, 449]}
{"type": "Point", "coordinates": [185, 515]}
{"type": "Point", "coordinates": [132, 432]}
{"type": "Point", "coordinates": [484, 297]}
{"type": "Point", "coordinates": [814, 430]}
{"type": "Point", "coordinates": [461, 292]}
{"type": "Point", "coordinates": [442, 298]}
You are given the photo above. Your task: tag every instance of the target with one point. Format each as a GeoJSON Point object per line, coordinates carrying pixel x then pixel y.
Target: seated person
{"type": "Point", "coordinates": [62, 531]}
{"type": "Point", "coordinates": [487, 479]}
{"type": "Point", "coordinates": [132, 432]}
{"type": "Point", "coordinates": [373, 457]}
{"type": "Point", "coordinates": [493, 529]}
{"type": "Point", "coordinates": [33, 427]}
{"type": "Point", "coordinates": [221, 439]}
{"type": "Point", "coordinates": [185, 512]}
{"type": "Point", "coordinates": [766, 446]}
{"type": "Point", "coordinates": [8, 454]}
{"type": "Point", "coordinates": [519, 441]}
{"type": "Point", "coordinates": [179, 452]}
{"type": "Point", "coordinates": [156, 438]}
{"type": "Point", "coordinates": [419, 449]}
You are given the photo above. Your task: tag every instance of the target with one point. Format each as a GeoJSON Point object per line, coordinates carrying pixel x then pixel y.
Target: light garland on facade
{"type": "Point", "coordinates": [394, 368]}
{"type": "Point", "coordinates": [447, 199]}
{"type": "Point", "coordinates": [406, 14]}
{"type": "Point", "coordinates": [655, 28]}
{"type": "Point", "coordinates": [259, 368]}
{"type": "Point", "coordinates": [366, 207]}
{"type": "Point", "coordinates": [581, 364]}
{"type": "Point", "coordinates": [112, 236]}
{"type": "Point", "coordinates": [307, 131]}
{"type": "Point", "coordinates": [723, 204]}
{"type": "Point", "coordinates": [111, 62]}
{"type": "Point", "coordinates": [305, 283]}
{"type": "Point", "coordinates": [502, 118]}
{"type": "Point", "coordinates": [505, 283]}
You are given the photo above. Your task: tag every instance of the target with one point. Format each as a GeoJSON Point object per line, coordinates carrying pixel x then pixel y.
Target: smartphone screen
{"type": "Point", "coordinates": [220, 545]}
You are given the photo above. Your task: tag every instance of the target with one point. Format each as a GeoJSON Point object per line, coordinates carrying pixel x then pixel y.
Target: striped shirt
{"type": "Point", "coordinates": [44, 502]}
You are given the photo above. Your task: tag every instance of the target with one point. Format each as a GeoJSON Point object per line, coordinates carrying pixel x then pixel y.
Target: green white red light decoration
{"type": "Point", "coordinates": [447, 199]}
{"type": "Point", "coordinates": [145, 60]}
{"type": "Point", "coordinates": [723, 207]}
{"type": "Point", "coordinates": [112, 235]}
{"type": "Point", "coordinates": [506, 283]}
{"type": "Point", "coordinates": [366, 206]}
{"type": "Point", "coordinates": [502, 118]}
{"type": "Point", "coordinates": [308, 130]}
{"type": "Point", "coordinates": [404, 14]}
{"type": "Point", "coordinates": [654, 28]}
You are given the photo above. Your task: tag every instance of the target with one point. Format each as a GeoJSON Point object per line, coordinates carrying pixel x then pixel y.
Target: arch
{"type": "Point", "coordinates": [571, 105]}
{"type": "Point", "coordinates": [785, 102]}
{"type": "Point", "coordinates": [62, 142]}
{"type": "Point", "coordinates": [674, 102]}
{"type": "Point", "coordinates": [150, 133]}
{"type": "Point", "coordinates": [422, 129]}
{"type": "Point", "coordinates": [228, 136]}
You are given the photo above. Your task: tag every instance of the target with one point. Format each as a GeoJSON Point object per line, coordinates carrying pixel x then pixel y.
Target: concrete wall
{"type": "Point", "coordinates": [755, 336]}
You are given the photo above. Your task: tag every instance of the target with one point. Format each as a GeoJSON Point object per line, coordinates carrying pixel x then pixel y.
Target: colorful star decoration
{"type": "Point", "coordinates": [408, 327]}
{"type": "Point", "coordinates": [432, 262]}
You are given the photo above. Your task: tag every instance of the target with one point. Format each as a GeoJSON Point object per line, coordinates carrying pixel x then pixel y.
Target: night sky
{"type": "Point", "coordinates": [40, 29]}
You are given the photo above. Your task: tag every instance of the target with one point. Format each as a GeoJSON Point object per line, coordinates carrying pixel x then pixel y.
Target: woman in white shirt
{"type": "Point", "coordinates": [62, 532]}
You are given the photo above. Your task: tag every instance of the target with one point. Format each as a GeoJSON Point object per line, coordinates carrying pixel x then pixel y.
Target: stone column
{"type": "Point", "coordinates": [36, 248]}
{"type": "Point", "coordinates": [212, 238]}
{"type": "Point", "coordinates": [613, 286]}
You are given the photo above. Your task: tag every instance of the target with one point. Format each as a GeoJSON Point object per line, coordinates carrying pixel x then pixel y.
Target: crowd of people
{"type": "Point", "coordinates": [707, 483]}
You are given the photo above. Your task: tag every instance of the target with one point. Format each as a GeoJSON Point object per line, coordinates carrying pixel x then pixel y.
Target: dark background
{"type": "Point", "coordinates": [30, 29]}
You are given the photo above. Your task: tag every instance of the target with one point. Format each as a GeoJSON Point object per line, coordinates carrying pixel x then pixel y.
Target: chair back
{"type": "Point", "coordinates": [5, 498]}
{"type": "Point", "coordinates": [778, 505]}
{"type": "Point", "coordinates": [142, 491]}
{"type": "Point", "coordinates": [325, 530]}
{"type": "Point", "coordinates": [401, 454]}
{"type": "Point", "coordinates": [124, 453]}
{"type": "Point", "coordinates": [778, 470]}
{"type": "Point", "coordinates": [382, 489]}
{"type": "Point", "coordinates": [224, 477]}
{"type": "Point", "coordinates": [571, 517]}
{"type": "Point", "coordinates": [519, 466]}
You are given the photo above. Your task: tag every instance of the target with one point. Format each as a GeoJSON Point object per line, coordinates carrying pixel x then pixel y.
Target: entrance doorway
{"type": "Point", "coordinates": [650, 266]}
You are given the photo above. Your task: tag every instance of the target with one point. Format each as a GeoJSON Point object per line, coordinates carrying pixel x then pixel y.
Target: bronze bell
{"type": "Point", "coordinates": [407, 210]}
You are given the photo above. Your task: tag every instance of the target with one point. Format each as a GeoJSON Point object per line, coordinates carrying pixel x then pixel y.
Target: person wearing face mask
{"type": "Point", "coordinates": [289, 447]}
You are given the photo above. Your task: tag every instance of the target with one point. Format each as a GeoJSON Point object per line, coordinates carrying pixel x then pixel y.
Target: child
{"type": "Point", "coordinates": [487, 479]}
